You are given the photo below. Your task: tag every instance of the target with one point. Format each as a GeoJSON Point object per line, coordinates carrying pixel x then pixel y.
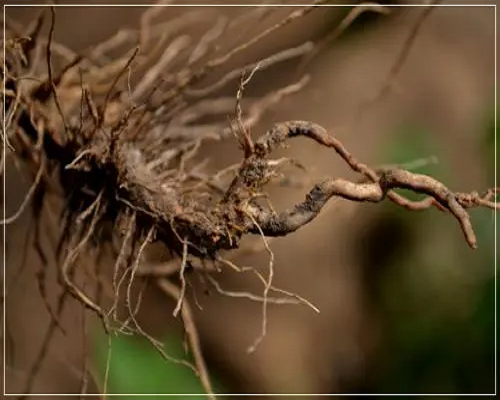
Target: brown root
{"type": "Point", "coordinates": [121, 149]}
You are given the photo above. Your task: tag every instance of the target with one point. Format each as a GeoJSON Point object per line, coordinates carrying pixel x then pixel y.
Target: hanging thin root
{"type": "Point", "coordinates": [298, 299]}
{"type": "Point", "coordinates": [130, 229]}
{"type": "Point", "coordinates": [71, 258]}
{"type": "Point", "coordinates": [29, 195]}
{"type": "Point", "coordinates": [174, 292]}
{"type": "Point", "coordinates": [251, 296]}
{"type": "Point", "coordinates": [47, 338]}
{"type": "Point", "coordinates": [267, 287]}
{"type": "Point", "coordinates": [182, 269]}
{"type": "Point", "coordinates": [134, 268]}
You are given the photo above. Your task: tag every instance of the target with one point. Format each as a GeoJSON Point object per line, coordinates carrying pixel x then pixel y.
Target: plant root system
{"type": "Point", "coordinates": [117, 139]}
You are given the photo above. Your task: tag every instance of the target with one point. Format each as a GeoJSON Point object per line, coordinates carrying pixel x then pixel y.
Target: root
{"type": "Point", "coordinates": [262, 65]}
{"type": "Point", "coordinates": [253, 347]}
{"type": "Point", "coordinates": [50, 82]}
{"type": "Point", "coordinates": [273, 224]}
{"type": "Point", "coordinates": [119, 139]}
{"type": "Point", "coordinates": [28, 196]}
{"type": "Point", "coordinates": [85, 357]}
{"type": "Point", "coordinates": [346, 22]}
{"type": "Point", "coordinates": [172, 291]}
{"type": "Point", "coordinates": [128, 300]}
{"type": "Point", "coordinates": [260, 299]}
{"type": "Point", "coordinates": [290, 295]}
{"type": "Point", "coordinates": [397, 66]}
{"type": "Point", "coordinates": [108, 365]}
{"type": "Point", "coordinates": [47, 339]}
{"type": "Point", "coordinates": [182, 278]}
{"type": "Point", "coordinates": [119, 261]}
{"type": "Point", "coordinates": [70, 259]}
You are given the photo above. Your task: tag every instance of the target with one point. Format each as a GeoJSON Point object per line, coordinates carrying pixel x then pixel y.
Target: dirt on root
{"type": "Point", "coordinates": [318, 261]}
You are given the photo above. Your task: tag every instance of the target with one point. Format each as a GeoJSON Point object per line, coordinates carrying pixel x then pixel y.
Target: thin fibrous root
{"type": "Point", "coordinates": [174, 292]}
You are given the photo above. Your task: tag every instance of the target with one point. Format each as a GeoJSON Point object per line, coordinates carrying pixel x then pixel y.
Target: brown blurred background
{"type": "Point", "coordinates": [406, 307]}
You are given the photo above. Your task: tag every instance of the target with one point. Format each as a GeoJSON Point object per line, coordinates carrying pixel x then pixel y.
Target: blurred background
{"type": "Point", "coordinates": [406, 306]}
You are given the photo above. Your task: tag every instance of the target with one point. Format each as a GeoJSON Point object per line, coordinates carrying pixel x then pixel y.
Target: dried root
{"type": "Point", "coordinates": [121, 149]}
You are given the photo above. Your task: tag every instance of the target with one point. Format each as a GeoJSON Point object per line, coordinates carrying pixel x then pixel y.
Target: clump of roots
{"type": "Point", "coordinates": [120, 147]}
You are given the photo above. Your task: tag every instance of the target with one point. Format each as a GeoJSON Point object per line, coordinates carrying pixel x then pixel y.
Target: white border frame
{"type": "Point", "coordinates": [494, 6]}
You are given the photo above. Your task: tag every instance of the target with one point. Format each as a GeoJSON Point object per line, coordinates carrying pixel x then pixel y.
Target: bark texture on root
{"type": "Point", "coordinates": [125, 161]}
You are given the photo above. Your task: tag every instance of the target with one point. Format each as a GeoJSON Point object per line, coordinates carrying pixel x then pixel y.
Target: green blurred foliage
{"type": "Point", "coordinates": [136, 367]}
{"type": "Point", "coordinates": [434, 296]}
